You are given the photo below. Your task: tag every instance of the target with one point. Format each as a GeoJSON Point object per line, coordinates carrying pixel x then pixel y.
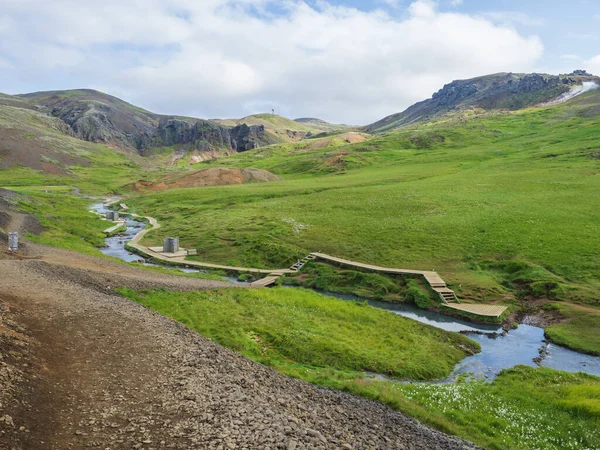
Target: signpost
{"type": "Point", "coordinates": [13, 241]}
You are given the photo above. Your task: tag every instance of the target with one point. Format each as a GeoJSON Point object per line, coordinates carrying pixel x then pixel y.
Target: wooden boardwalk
{"type": "Point", "coordinates": [433, 279]}
{"type": "Point", "coordinates": [115, 227]}
{"type": "Point", "coordinates": [436, 282]}
{"type": "Point", "coordinates": [267, 281]}
{"type": "Point", "coordinates": [134, 243]}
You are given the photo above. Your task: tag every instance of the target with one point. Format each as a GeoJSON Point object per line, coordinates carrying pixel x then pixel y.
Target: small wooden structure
{"type": "Point", "coordinates": [13, 241]}
{"type": "Point", "coordinates": [171, 245]}
{"type": "Point", "coordinates": [267, 281]}
{"type": "Point", "coordinates": [112, 215]}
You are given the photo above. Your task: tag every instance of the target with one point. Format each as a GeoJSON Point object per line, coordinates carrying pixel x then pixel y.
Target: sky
{"type": "Point", "coordinates": [344, 61]}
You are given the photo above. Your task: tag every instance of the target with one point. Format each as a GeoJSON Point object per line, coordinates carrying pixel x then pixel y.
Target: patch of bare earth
{"type": "Point", "coordinates": [17, 149]}
{"type": "Point", "coordinates": [349, 138]}
{"type": "Point", "coordinates": [208, 177]}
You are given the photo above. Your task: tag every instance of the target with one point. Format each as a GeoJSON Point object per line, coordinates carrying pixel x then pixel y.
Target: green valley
{"type": "Point", "coordinates": [500, 204]}
{"type": "Point", "coordinates": [497, 194]}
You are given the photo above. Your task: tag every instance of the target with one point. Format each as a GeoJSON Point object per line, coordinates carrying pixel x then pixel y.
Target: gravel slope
{"type": "Point", "coordinates": [89, 369]}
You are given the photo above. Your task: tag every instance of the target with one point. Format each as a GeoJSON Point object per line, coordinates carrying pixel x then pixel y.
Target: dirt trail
{"type": "Point", "coordinates": [82, 367]}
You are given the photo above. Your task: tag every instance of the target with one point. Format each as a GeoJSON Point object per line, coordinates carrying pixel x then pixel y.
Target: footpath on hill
{"type": "Point", "coordinates": [82, 367]}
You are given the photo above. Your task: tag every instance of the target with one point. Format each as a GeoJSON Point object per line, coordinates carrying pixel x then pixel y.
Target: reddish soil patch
{"type": "Point", "coordinates": [16, 149]}
{"type": "Point", "coordinates": [207, 177]}
{"type": "Point", "coordinates": [350, 138]}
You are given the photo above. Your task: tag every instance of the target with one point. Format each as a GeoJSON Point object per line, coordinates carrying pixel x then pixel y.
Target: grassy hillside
{"type": "Point", "coordinates": [282, 129]}
{"type": "Point", "coordinates": [92, 96]}
{"type": "Point", "coordinates": [37, 149]}
{"type": "Point", "coordinates": [497, 203]}
{"type": "Point", "coordinates": [297, 330]}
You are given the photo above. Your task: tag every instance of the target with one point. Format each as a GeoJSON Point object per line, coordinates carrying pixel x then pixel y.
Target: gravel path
{"type": "Point", "coordinates": [82, 367]}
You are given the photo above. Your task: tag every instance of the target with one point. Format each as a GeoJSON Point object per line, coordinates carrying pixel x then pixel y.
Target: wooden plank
{"type": "Point", "coordinates": [480, 310]}
{"type": "Point", "coordinates": [264, 282]}
{"type": "Point", "coordinates": [114, 227]}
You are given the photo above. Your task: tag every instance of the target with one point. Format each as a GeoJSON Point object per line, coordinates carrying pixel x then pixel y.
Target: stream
{"type": "Point", "coordinates": [115, 245]}
{"type": "Point", "coordinates": [518, 346]}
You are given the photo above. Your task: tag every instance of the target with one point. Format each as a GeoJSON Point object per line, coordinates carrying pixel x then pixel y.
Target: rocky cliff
{"type": "Point", "coordinates": [500, 91]}
{"type": "Point", "coordinates": [204, 135]}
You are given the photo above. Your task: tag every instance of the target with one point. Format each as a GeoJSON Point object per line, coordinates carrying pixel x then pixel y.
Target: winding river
{"type": "Point", "coordinates": [519, 346]}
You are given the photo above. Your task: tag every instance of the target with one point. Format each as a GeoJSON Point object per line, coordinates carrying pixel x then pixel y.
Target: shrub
{"type": "Point", "coordinates": [550, 289]}
{"type": "Point", "coordinates": [416, 296]}
{"type": "Point", "coordinates": [244, 277]}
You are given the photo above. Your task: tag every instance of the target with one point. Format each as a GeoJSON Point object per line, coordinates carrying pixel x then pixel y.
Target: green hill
{"type": "Point", "coordinates": [282, 129]}
{"type": "Point", "coordinates": [98, 117]}
{"type": "Point", "coordinates": [502, 91]}
{"type": "Point", "coordinates": [38, 149]}
{"type": "Point", "coordinates": [499, 203]}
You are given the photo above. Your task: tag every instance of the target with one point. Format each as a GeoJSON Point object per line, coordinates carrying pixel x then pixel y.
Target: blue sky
{"type": "Point", "coordinates": [347, 61]}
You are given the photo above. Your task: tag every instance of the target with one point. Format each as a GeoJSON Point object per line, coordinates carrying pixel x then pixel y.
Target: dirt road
{"type": "Point", "coordinates": [82, 367]}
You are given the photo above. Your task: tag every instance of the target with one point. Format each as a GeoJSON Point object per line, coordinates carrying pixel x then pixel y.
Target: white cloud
{"type": "Point", "coordinates": [222, 58]}
{"type": "Point", "coordinates": [592, 65]}
{"type": "Point", "coordinates": [456, 2]}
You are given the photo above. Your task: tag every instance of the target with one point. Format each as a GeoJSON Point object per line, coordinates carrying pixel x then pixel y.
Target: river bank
{"type": "Point", "coordinates": [525, 345]}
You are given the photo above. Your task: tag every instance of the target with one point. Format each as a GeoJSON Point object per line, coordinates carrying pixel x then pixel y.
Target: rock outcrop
{"type": "Point", "coordinates": [204, 135]}
{"type": "Point", "coordinates": [500, 91]}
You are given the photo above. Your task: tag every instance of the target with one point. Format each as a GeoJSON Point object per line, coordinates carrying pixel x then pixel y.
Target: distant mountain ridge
{"type": "Point", "coordinates": [101, 118]}
{"type": "Point", "coordinates": [98, 117]}
{"type": "Point", "coordinates": [498, 91]}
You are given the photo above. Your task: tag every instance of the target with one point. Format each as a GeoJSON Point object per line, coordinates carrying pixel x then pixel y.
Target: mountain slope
{"type": "Point", "coordinates": [491, 92]}
{"type": "Point", "coordinates": [36, 148]}
{"type": "Point", "coordinates": [282, 129]}
{"type": "Point", "coordinates": [98, 117]}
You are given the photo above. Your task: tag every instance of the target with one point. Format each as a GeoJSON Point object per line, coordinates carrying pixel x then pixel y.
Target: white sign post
{"type": "Point", "coordinates": [13, 241]}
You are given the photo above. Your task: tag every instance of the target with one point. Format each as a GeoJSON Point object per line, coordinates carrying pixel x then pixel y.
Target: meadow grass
{"type": "Point", "coordinates": [523, 408]}
{"type": "Point", "coordinates": [25, 189]}
{"type": "Point", "coordinates": [454, 196]}
{"type": "Point", "coordinates": [67, 222]}
{"type": "Point", "coordinates": [332, 343]}
{"type": "Point", "coordinates": [92, 167]}
{"type": "Point", "coordinates": [282, 327]}
{"type": "Point", "coordinates": [580, 329]}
